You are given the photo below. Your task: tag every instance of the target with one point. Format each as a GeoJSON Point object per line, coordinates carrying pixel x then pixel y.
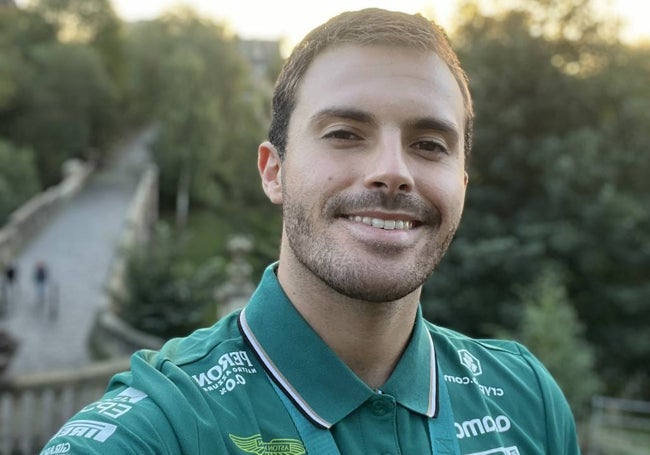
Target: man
{"type": "Point", "coordinates": [8, 287]}
{"type": "Point", "coordinates": [367, 152]}
{"type": "Point", "coordinates": [40, 282]}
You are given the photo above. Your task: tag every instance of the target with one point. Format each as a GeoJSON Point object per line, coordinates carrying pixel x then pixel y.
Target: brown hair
{"type": "Point", "coordinates": [365, 27]}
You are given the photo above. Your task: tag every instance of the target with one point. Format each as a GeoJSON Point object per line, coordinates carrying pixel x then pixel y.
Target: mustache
{"type": "Point", "coordinates": [346, 203]}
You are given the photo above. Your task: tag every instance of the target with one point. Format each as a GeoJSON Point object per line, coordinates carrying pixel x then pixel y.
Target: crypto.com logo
{"type": "Point", "coordinates": [470, 362]}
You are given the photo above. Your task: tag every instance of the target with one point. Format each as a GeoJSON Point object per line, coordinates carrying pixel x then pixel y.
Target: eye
{"type": "Point", "coordinates": [428, 147]}
{"type": "Point", "coordinates": [342, 135]}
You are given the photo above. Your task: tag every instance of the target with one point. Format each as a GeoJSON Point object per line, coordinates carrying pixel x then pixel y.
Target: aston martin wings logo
{"type": "Point", "coordinates": [279, 446]}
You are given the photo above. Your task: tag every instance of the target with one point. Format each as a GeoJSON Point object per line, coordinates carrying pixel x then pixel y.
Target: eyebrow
{"type": "Point", "coordinates": [344, 113]}
{"type": "Point", "coordinates": [445, 127]}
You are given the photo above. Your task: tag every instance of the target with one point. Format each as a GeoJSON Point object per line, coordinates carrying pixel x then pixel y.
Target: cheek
{"type": "Point", "coordinates": [306, 186]}
{"type": "Point", "coordinates": [447, 193]}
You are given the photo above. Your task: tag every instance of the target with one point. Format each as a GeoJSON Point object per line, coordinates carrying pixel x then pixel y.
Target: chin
{"type": "Point", "coordinates": [381, 287]}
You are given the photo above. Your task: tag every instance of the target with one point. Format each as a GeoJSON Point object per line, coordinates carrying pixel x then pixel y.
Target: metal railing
{"type": "Point", "coordinates": [33, 407]}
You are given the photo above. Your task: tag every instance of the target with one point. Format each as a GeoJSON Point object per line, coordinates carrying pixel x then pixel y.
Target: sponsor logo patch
{"type": "Point", "coordinates": [487, 424]}
{"type": "Point", "coordinates": [130, 395]}
{"type": "Point", "coordinates": [58, 448]}
{"type": "Point", "coordinates": [470, 362]}
{"type": "Point", "coordinates": [91, 429]}
{"type": "Point", "coordinates": [278, 446]}
{"type": "Point", "coordinates": [499, 451]}
{"type": "Point", "coordinates": [229, 372]}
{"type": "Point", "coordinates": [117, 406]}
{"type": "Point", "coordinates": [488, 391]}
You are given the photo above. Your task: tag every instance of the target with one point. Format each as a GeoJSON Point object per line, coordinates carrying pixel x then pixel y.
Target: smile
{"type": "Point", "coordinates": [402, 225]}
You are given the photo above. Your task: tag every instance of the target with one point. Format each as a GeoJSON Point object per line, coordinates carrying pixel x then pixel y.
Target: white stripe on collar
{"type": "Point", "coordinates": [433, 381]}
{"type": "Point", "coordinates": [277, 376]}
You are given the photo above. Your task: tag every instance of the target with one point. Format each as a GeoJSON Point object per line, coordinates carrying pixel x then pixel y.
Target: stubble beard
{"type": "Point", "coordinates": [357, 277]}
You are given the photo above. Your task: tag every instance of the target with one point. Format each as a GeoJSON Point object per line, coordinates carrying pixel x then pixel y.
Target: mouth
{"type": "Point", "coordinates": [381, 223]}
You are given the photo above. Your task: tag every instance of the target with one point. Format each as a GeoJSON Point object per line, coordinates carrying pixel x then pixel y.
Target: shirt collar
{"type": "Point", "coordinates": [303, 366]}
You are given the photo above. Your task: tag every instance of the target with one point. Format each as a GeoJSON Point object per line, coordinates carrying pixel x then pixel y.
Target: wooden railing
{"type": "Point", "coordinates": [619, 427]}
{"type": "Point", "coordinates": [33, 407]}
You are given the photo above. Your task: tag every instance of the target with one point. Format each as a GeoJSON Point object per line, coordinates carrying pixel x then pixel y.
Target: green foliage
{"type": "Point", "coordinates": [68, 111]}
{"type": "Point", "coordinates": [208, 111]}
{"type": "Point", "coordinates": [164, 295]}
{"type": "Point", "coordinates": [22, 29]}
{"type": "Point", "coordinates": [91, 22]}
{"type": "Point", "coordinates": [208, 232]}
{"type": "Point", "coordinates": [558, 176]}
{"type": "Point", "coordinates": [551, 330]}
{"type": "Point", "coordinates": [18, 181]}
{"type": "Point", "coordinates": [55, 98]}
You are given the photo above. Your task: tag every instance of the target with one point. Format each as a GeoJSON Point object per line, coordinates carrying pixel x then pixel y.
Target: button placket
{"type": "Point", "coordinates": [381, 436]}
{"type": "Point", "coordinates": [381, 406]}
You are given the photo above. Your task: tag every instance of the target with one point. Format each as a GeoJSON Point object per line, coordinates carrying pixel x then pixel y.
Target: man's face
{"type": "Point", "coordinates": [373, 180]}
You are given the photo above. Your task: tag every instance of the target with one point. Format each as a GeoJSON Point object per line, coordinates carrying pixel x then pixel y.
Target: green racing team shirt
{"type": "Point", "coordinates": [217, 392]}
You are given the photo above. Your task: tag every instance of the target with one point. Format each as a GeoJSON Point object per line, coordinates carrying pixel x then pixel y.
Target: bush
{"type": "Point", "coordinates": [18, 180]}
{"type": "Point", "coordinates": [165, 296]}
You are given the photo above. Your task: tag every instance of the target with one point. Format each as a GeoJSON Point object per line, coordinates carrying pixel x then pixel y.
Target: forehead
{"type": "Point", "coordinates": [382, 79]}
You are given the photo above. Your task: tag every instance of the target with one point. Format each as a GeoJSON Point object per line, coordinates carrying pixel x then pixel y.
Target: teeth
{"type": "Point", "coordinates": [382, 224]}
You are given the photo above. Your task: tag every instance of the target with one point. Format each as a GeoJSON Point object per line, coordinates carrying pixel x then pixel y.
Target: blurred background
{"type": "Point", "coordinates": [131, 209]}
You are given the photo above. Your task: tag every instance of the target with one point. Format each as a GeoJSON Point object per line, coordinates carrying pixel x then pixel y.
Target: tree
{"type": "Point", "coordinates": [90, 22]}
{"type": "Point", "coordinates": [18, 180]}
{"type": "Point", "coordinates": [67, 110]}
{"type": "Point", "coordinates": [55, 98]}
{"type": "Point", "coordinates": [207, 109]}
{"type": "Point", "coordinates": [20, 31]}
{"type": "Point", "coordinates": [556, 177]}
{"type": "Point", "coordinates": [550, 328]}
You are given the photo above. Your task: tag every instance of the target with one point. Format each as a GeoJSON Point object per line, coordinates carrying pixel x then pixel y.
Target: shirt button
{"type": "Point", "coordinates": [381, 407]}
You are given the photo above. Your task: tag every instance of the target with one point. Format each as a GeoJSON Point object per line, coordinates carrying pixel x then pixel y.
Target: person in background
{"type": "Point", "coordinates": [40, 282]}
{"type": "Point", "coordinates": [367, 155]}
{"type": "Point", "coordinates": [9, 287]}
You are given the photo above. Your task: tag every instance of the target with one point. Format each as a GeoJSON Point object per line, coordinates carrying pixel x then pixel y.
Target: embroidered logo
{"type": "Point", "coordinates": [470, 362]}
{"type": "Point", "coordinates": [278, 446]}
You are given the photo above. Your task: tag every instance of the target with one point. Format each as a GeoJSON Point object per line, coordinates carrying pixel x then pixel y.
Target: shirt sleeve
{"type": "Point", "coordinates": [155, 408]}
{"type": "Point", "coordinates": [125, 421]}
{"type": "Point", "coordinates": [560, 425]}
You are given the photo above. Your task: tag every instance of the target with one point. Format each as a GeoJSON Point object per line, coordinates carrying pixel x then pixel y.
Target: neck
{"type": "Point", "coordinates": [369, 337]}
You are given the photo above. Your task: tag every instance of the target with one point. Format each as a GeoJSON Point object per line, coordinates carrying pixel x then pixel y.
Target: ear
{"type": "Point", "coordinates": [269, 166]}
{"type": "Point", "coordinates": [466, 179]}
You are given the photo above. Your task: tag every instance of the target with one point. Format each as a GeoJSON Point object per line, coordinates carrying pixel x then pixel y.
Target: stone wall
{"type": "Point", "coordinates": [27, 221]}
{"type": "Point", "coordinates": [140, 220]}
{"type": "Point", "coordinates": [111, 337]}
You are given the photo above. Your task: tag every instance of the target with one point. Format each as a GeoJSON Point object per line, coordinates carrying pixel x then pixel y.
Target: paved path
{"type": "Point", "coordinates": [78, 247]}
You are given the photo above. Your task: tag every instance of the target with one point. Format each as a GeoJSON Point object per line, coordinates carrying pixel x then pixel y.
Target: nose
{"type": "Point", "coordinates": [388, 169]}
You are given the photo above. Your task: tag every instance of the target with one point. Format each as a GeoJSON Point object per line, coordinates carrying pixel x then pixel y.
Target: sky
{"type": "Point", "coordinates": [290, 20]}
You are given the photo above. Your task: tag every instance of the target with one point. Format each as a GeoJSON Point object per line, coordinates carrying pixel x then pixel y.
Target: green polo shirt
{"type": "Point", "coordinates": [211, 393]}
